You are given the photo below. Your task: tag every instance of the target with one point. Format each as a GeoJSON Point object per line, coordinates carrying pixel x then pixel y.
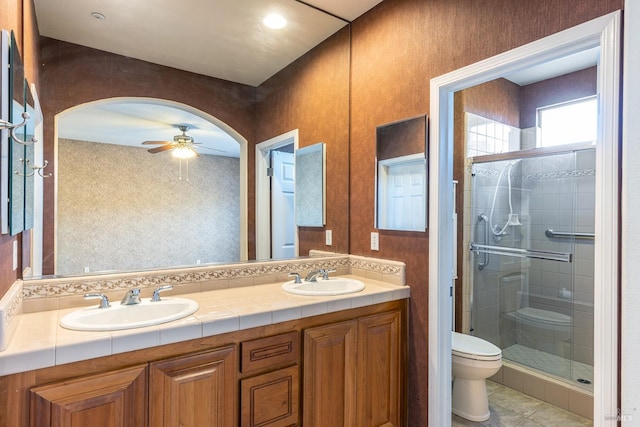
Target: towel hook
{"type": "Point", "coordinates": [12, 128]}
{"type": "Point", "coordinates": [34, 169]}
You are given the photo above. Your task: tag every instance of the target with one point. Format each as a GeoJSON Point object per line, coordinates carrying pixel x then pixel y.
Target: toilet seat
{"type": "Point", "coordinates": [474, 348]}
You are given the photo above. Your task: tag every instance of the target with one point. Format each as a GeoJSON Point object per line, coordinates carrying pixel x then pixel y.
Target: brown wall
{"type": "Point", "coordinates": [396, 49]}
{"type": "Point", "coordinates": [23, 25]}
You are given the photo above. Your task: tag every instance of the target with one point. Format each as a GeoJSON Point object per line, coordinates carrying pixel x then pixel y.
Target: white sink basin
{"type": "Point", "coordinates": [118, 317]}
{"type": "Point", "coordinates": [332, 286]}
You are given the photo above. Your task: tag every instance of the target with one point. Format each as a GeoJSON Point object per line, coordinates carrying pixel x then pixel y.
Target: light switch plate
{"type": "Point", "coordinates": [328, 237]}
{"type": "Point", "coordinates": [375, 241]}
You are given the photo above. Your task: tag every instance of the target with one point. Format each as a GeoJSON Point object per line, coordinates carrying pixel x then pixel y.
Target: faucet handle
{"type": "Point", "coordinates": [104, 301]}
{"type": "Point", "coordinates": [297, 277]}
{"type": "Point", "coordinates": [325, 273]}
{"type": "Point", "coordinates": [156, 293]}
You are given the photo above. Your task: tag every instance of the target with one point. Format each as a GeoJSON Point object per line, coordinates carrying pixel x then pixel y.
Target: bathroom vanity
{"type": "Point", "coordinates": [263, 358]}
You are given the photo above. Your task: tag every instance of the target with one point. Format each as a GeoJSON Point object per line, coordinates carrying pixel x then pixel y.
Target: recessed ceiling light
{"type": "Point", "coordinates": [274, 21]}
{"type": "Point", "coordinates": [98, 16]}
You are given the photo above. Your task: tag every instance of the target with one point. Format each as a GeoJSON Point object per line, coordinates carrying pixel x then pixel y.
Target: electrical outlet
{"type": "Point", "coordinates": [15, 255]}
{"type": "Point", "coordinates": [375, 241]}
{"type": "Point", "coordinates": [328, 237]}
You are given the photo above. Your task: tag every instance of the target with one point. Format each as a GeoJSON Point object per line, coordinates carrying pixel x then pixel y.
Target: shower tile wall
{"type": "Point", "coordinates": [555, 192]}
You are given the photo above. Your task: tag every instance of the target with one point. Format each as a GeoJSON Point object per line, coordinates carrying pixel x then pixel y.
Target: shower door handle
{"type": "Point", "coordinates": [485, 259]}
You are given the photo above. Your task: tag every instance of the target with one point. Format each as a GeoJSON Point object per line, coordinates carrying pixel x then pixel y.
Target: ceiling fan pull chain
{"type": "Point", "coordinates": [187, 168]}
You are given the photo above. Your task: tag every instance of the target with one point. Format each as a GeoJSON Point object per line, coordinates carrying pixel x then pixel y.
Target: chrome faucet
{"type": "Point", "coordinates": [156, 293]}
{"type": "Point", "coordinates": [104, 301]}
{"type": "Point", "coordinates": [131, 297]}
{"type": "Point", "coordinates": [313, 275]}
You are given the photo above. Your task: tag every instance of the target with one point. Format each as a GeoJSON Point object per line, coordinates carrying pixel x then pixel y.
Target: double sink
{"type": "Point", "coordinates": [134, 312]}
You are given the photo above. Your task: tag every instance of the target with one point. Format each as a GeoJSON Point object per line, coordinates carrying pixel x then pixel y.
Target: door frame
{"type": "Point", "coordinates": [263, 192]}
{"type": "Point", "coordinates": [604, 32]}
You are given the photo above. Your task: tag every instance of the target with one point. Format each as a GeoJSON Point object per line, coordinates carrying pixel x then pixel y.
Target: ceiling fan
{"type": "Point", "coordinates": [183, 146]}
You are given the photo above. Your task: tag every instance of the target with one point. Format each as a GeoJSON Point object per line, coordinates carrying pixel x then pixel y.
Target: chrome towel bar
{"type": "Point", "coordinates": [569, 235]}
{"type": "Point", "coordinates": [520, 253]}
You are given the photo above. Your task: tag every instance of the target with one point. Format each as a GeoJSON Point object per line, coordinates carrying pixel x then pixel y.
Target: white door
{"type": "Point", "coordinates": [282, 215]}
{"type": "Point", "coordinates": [403, 195]}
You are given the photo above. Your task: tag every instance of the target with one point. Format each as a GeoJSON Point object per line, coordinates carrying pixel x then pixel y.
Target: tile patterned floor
{"type": "Point", "coordinates": [550, 364]}
{"type": "Point", "coordinates": [510, 408]}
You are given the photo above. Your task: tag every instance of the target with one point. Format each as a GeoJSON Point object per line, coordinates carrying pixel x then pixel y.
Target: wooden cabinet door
{"type": "Point", "coordinates": [329, 376]}
{"type": "Point", "coordinates": [271, 399]}
{"type": "Point", "coordinates": [111, 399]}
{"type": "Point", "coordinates": [380, 370]}
{"type": "Point", "coordinates": [194, 391]}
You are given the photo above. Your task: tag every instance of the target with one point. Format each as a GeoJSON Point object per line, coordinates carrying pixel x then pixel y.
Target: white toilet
{"type": "Point", "coordinates": [473, 360]}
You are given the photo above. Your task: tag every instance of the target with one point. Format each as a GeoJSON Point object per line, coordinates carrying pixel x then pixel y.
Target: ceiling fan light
{"type": "Point", "coordinates": [184, 153]}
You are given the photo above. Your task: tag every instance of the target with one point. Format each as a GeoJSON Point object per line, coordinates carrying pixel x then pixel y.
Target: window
{"type": "Point", "coordinates": [568, 123]}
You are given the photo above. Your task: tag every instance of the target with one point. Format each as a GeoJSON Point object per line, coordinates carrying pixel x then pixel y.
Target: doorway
{"type": "Point", "coordinates": [602, 33]}
{"type": "Point", "coordinates": [276, 232]}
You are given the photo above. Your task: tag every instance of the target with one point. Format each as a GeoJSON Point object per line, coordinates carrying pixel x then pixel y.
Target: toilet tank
{"type": "Point", "coordinates": [512, 296]}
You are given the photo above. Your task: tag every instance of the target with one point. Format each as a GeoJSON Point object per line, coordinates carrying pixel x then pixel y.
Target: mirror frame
{"type": "Point", "coordinates": [604, 32]}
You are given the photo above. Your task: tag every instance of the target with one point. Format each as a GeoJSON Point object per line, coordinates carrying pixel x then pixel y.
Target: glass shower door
{"type": "Point", "coordinates": [527, 265]}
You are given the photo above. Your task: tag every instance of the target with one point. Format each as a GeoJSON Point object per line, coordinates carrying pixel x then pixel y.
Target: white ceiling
{"type": "Point", "coordinates": [557, 67]}
{"type": "Point", "coordinates": [219, 38]}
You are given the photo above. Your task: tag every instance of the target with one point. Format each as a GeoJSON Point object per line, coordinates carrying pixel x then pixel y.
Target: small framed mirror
{"type": "Point", "coordinates": [401, 175]}
{"type": "Point", "coordinates": [310, 186]}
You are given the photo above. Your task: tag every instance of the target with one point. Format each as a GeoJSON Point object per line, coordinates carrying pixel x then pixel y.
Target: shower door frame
{"type": "Point", "coordinates": [603, 32]}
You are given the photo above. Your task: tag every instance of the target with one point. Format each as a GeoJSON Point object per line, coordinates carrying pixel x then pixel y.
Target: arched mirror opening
{"type": "Point", "coordinates": [144, 184]}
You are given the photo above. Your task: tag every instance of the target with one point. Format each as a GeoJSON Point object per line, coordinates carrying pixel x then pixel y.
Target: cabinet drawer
{"type": "Point", "coordinates": [270, 351]}
{"type": "Point", "coordinates": [271, 399]}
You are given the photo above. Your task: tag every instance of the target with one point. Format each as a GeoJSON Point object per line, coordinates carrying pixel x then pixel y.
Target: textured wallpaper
{"type": "Point", "coordinates": [309, 192]}
{"type": "Point", "coordinates": [122, 208]}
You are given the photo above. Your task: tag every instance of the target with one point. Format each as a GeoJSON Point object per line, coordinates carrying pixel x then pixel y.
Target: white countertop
{"type": "Point", "coordinates": [40, 342]}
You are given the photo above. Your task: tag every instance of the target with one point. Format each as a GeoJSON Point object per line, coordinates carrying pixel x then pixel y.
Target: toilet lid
{"type": "Point", "coordinates": [471, 347]}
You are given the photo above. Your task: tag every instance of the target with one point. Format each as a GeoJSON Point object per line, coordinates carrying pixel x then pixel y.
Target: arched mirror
{"type": "Point", "coordinates": [153, 182]}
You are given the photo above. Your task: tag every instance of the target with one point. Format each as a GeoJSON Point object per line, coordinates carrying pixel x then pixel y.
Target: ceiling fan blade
{"type": "Point", "coordinates": [155, 142]}
{"type": "Point", "coordinates": [161, 149]}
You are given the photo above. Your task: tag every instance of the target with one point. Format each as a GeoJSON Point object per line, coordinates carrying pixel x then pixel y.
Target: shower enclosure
{"type": "Point", "coordinates": [530, 269]}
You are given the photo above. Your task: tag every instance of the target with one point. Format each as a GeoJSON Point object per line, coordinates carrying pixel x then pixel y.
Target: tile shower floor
{"type": "Point", "coordinates": [510, 408]}
{"type": "Point", "coordinates": [550, 363]}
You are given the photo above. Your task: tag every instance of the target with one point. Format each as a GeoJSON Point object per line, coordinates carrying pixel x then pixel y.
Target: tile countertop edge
{"type": "Point", "coordinates": [221, 311]}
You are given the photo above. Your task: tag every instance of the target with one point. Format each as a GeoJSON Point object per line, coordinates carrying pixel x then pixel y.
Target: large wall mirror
{"type": "Point", "coordinates": [401, 168]}
{"type": "Point", "coordinates": [117, 222]}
